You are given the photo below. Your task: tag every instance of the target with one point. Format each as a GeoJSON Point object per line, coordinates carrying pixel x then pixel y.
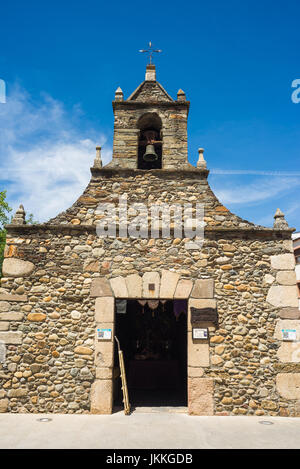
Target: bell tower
{"type": "Point", "coordinates": [150, 128]}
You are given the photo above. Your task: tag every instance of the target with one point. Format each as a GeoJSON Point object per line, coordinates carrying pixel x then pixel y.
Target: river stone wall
{"type": "Point", "coordinates": [47, 311]}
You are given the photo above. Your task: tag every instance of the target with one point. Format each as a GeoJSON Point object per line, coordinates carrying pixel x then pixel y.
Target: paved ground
{"type": "Point", "coordinates": [152, 430]}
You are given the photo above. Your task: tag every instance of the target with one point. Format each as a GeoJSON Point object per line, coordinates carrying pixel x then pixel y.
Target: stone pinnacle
{"type": "Point", "coordinates": [201, 161]}
{"type": "Point", "coordinates": [97, 160]}
{"type": "Point", "coordinates": [19, 217]}
{"type": "Point", "coordinates": [280, 221]}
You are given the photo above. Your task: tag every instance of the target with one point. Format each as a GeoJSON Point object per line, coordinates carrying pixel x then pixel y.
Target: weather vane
{"type": "Point", "coordinates": [150, 51]}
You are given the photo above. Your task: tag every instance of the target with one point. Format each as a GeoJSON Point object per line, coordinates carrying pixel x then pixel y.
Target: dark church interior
{"type": "Point", "coordinates": [153, 338]}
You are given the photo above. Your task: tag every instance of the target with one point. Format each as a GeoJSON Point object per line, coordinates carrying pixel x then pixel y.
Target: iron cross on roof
{"type": "Point", "coordinates": [150, 51]}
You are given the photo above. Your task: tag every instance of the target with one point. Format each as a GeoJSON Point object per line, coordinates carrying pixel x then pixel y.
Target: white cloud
{"type": "Point", "coordinates": [256, 191]}
{"type": "Point", "coordinates": [255, 172]}
{"type": "Point", "coordinates": [45, 157]}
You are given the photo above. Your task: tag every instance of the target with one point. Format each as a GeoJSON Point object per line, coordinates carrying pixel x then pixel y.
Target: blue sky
{"type": "Point", "coordinates": [236, 61]}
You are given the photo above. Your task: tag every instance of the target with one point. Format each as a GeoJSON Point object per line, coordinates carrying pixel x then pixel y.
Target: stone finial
{"type": "Point", "coordinates": [119, 96]}
{"type": "Point", "coordinates": [280, 221]}
{"type": "Point", "coordinates": [201, 163]}
{"type": "Point", "coordinates": [19, 217]}
{"type": "Point", "coordinates": [97, 160]}
{"type": "Point", "coordinates": [150, 73]}
{"type": "Point", "coordinates": [181, 95]}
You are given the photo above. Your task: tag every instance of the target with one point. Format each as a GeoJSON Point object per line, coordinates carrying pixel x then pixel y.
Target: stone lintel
{"type": "Point", "coordinates": [183, 289]}
{"type": "Point", "coordinates": [100, 287]}
{"type": "Point", "coordinates": [151, 284]}
{"type": "Point", "coordinates": [168, 284]}
{"type": "Point", "coordinates": [119, 288]}
{"type": "Point", "coordinates": [134, 285]}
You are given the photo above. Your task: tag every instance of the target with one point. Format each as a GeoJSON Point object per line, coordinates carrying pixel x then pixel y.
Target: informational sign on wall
{"type": "Point", "coordinates": [104, 334]}
{"type": "Point", "coordinates": [289, 334]}
{"type": "Point", "coordinates": [199, 315]}
{"type": "Point", "coordinates": [200, 333]}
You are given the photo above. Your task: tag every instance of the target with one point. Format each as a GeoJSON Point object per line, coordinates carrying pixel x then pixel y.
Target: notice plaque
{"type": "Point", "coordinates": [200, 333]}
{"type": "Point", "coordinates": [289, 334]}
{"type": "Point", "coordinates": [204, 315]}
{"type": "Point", "coordinates": [104, 334]}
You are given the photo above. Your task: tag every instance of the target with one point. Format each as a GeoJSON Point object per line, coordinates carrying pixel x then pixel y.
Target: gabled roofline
{"type": "Point", "coordinates": [130, 98]}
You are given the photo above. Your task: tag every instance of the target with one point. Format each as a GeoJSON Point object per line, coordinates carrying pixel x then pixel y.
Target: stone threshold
{"type": "Point", "coordinates": [155, 409]}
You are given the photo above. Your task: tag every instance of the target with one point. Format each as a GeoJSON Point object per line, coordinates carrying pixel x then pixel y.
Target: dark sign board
{"type": "Point", "coordinates": [204, 315]}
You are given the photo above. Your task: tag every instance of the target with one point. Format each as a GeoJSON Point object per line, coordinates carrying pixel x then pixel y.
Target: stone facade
{"type": "Point", "coordinates": [60, 281]}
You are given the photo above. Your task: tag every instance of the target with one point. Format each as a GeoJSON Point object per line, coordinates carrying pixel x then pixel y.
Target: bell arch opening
{"type": "Point", "coordinates": [150, 141]}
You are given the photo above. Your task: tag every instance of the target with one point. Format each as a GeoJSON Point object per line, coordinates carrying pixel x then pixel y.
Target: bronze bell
{"type": "Point", "coordinates": [150, 154]}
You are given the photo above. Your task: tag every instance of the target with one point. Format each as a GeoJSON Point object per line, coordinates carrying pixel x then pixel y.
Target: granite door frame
{"type": "Point", "coordinates": [152, 285]}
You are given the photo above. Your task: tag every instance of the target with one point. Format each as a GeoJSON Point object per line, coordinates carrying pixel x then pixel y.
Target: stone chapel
{"type": "Point", "coordinates": [211, 330]}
